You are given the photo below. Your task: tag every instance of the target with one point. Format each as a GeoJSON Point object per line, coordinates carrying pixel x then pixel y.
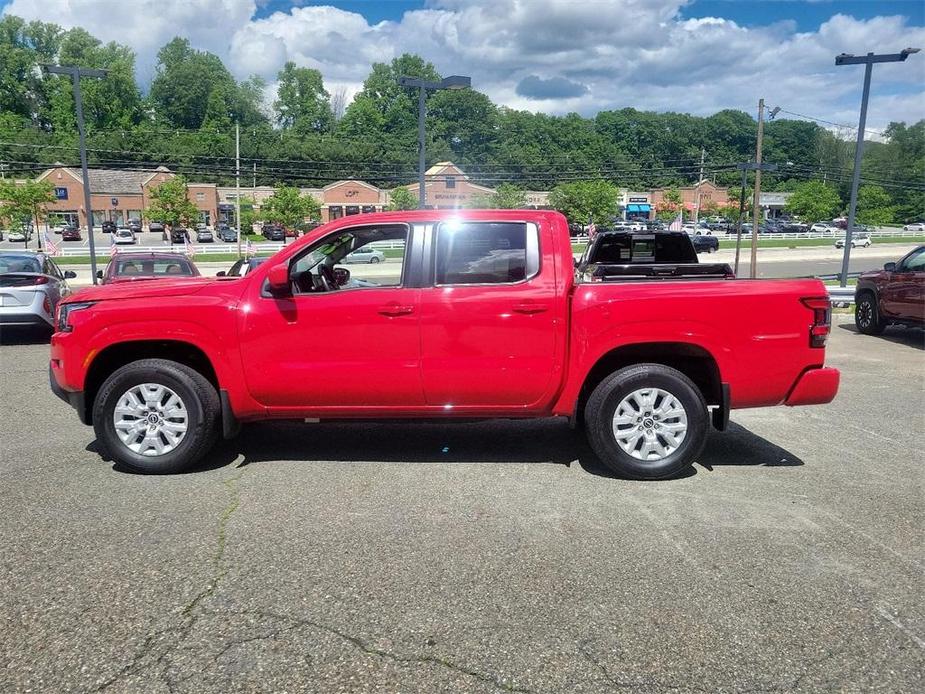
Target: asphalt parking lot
{"type": "Point", "coordinates": [473, 557]}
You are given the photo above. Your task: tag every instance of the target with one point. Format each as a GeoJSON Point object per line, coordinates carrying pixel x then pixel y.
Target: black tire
{"type": "Point", "coordinates": [602, 406]}
{"type": "Point", "coordinates": [198, 395]}
{"type": "Point", "coordinates": [867, 315]}
{"type": "Point", "coordinates": [710, 249]}
{"type": "Point", "coordinates": [374, 259]}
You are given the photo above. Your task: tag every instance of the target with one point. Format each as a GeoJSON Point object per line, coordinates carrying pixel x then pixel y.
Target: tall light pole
{"type": "Point", "coordinates": [745, 167]}
{"type": "Point", "coordinates": [451, 82]}
{"type": "Point", "coordinates": [868, 62]}
{"type": "Point", "coordinates": [76, 73]}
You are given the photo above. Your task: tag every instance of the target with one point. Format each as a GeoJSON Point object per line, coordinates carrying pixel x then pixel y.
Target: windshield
{"type": "Point", "coordinates": [643, 248]}
{"type": "Point", "coordinates": [19, 263]}
{"type": "Point", "coordinates": [160, 267]}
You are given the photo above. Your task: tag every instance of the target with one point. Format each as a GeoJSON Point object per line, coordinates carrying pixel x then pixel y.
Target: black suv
{"type": "Point", "coordinates": [274, 232]}
{"type": "Point", "coordinates": [179, 235]}
{"type": "Point", "coordinates": [109, 227]}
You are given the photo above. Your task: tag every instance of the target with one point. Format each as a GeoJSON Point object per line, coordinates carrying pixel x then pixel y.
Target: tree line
{"type": "Point", "coordinates": [307, 136]}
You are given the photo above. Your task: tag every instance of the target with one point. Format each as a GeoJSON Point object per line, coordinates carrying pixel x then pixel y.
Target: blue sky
{"type": "Point", "coordinates": [551, 56]}
{"type": "Point", "coordinates": [807, 15]}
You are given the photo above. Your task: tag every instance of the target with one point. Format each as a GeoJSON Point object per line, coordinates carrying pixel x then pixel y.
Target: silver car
{"type": "Point", "coordinates": [364, 255]}
{"type": "Point", "coordinates": [31, 285]}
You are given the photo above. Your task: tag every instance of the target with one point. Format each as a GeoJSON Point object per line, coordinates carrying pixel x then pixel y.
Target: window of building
{"type": "Point", "coordinates": [367, 209]}
{"type": "Point", "coordinates": [335, 212]}
{"type": "Point", "coordinates": [200, 197]}
{"type": "Point", "coordinates": [450, 182]}
{"type": "Point", "coordinates": [134, 215]}
{"type": "Point", "coordinates": [486, 253]}
{"type": "Point", "coordinates": [352, 209]}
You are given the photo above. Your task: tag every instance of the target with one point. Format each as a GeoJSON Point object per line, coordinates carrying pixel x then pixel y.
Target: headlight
{"type": "Point", "coordinates": [64, 314]}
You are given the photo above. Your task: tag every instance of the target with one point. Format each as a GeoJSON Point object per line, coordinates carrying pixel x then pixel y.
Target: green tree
{"type": "Point", "coordinates": [402, 199]}
{"type": "Point", "coordinates": [169, 203]}
{"type": "Point", "coordinates": [290, 208]}
{"type": "Point", "coordinates": [25, 200]}
{"type": "Point", "coordinates": [506, 197]}
{"type": "Point", "coordinates": [302, 103]}
{"type": "Point", "coordinates": [813, 201]}
{"type": "Point", "coordinates": [584, 200]}
{"type": "Point", "coordinates": [875, 206]}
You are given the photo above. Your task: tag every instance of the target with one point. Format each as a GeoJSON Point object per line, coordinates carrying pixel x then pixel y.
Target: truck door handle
{"type": "Point", "coordinates": [529, 307]}
{"type": "Point", "coordinates": [395, 309]}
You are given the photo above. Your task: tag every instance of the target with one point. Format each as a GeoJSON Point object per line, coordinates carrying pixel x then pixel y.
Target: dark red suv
{"type": "Point", "coordinates": [895, 294]}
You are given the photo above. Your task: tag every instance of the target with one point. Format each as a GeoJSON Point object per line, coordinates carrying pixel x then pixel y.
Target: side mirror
{"type": "Point", "coordinates": [341, 276]}
{"type": "Point", "coordinates": [220, 273]}
{"type": "Point", "coordinates": [99, 274]}
{"type": "Point", "coordinates": [278, 279]}
{"type": "Point", "coordinates": [69, 274]}
{"type": "Point", "coordinates": [889, 267]}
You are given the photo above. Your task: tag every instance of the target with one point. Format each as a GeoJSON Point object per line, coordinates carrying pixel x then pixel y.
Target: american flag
{"type": "Point", "coordinates": [113, 248]}
{"type": "Point", "coordinates": [51, 248]}
{"type": "Point", "coordinates": [190, 251]}
{"type": "Point", "coordinates": [676, 224]}
{"type": "Point", "coordinates": [592, 230]}
{"type": "Point", "coordinates": [250, 249]}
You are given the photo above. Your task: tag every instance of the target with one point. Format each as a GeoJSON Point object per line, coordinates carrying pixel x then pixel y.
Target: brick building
{"type": "Point", "coordinates": [705, 194]}
{"type": "Point", "coordinates": [116, 195]}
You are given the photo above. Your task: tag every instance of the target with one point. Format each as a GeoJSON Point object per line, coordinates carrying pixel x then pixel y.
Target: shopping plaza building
{"type": "Point", "coordinates": [121, 196]}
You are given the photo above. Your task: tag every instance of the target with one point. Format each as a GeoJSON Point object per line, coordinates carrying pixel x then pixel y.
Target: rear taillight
{"type": "Point", "coordinates": [41, 279]}
{"type": "Point", "coordinates": [46, 305]}
{"type": "Point", "coordinates": [822, 320]}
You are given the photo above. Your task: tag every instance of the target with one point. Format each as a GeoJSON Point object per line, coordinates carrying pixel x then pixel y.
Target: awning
{"type": "Point", "coordinates": [638, 208]}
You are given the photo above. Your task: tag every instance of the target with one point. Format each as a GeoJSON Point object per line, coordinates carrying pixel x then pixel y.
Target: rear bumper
{"type": "Point", "coordinates": [814, 387]}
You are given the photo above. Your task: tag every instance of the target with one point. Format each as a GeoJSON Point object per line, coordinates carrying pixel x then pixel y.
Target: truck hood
{"type": "Point", "coordinates": [143, 289]}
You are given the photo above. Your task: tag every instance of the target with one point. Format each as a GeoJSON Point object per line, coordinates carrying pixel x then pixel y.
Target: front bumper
{"type": "Point", "coordinates": [814, 387]}
{"type": "Point", "coordinates": [73, 398]}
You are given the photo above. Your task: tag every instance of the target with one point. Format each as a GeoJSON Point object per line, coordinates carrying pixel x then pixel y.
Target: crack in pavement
{"type": "Point", "coordinates": [219, 571]}
{"type": "Point", "coordinates": [361, 645]}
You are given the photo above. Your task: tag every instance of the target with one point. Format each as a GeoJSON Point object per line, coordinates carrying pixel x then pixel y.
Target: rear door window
{"type": "Point", "coordinates": [486, 252]}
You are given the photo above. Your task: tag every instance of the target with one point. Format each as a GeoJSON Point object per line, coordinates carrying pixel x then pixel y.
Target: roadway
{"type": "Point", "coordinates": [472, 557]}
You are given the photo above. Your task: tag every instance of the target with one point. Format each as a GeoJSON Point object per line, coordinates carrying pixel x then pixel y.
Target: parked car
{"type": "Point", "coordinates": [792, 227]}
{"type": "Point", "coordinates": [134, 225]}
{"type": "Point", "coordinates": [130, 267]}
{"type": "Point", "coordinates": [124, 236]}
{"type": "Point", "coordinates": [204, 236]}
{"type": "Point", "coordinates": [824, 228]}
{"type": "Point", "coordinates": [31, 285]}
{"type": "Point", "coordinates": [242, 267]}
{"type": "Point", "coordinates": [273, 232]}
{"type": "Point", "coordinates": [364, 255]}
{"type": "Point", "coordinates": [109, 227]}
{"type": "Point", "coordinates": [227, 234]}
{"type": "Point", "coordinates": [914, 226]}
{"type": "Point", "coordinates": [71, 233]}
{"type": "Point", "coordinates": [705, 243]}
{"type": "Point", "coordinates": [19, 235]}
{"type": "Point", "coordinates": [156, 228]}
{"type": "Point", "coordinates": [894, 295]}
{"type": "Point", "coordinates": [179, 236]}
{"type": "Point", "coordinates": [857, 239]}
{"type": "Point", "coordinates": [492, 322]}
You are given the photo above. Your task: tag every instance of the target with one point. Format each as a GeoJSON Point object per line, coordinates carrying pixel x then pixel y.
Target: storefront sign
{"type": "Point", "coordinates": [451, 196]}
{"type": "Point", "coordinates": [61, 193]}
{"type": "Point", "coordinates": [639, 199]}
{"type": "Point", "coordinates": [115, 201]}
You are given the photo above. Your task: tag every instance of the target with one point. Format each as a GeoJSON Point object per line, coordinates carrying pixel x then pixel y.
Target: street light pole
{"type": "Point", "coordinates": [451, 82]}
{"type": "Point", "coordinates": [76, 73]}
{"type": "Point", "coordinates": [868, 62]}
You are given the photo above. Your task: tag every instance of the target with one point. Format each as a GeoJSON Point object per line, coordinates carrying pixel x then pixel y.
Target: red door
{"type": "Point", "coordinates": [490, 324]}
{"type": "Point", "coordinates": [340, 349]}
{"type": "Point", "coordinates": [903, 295]}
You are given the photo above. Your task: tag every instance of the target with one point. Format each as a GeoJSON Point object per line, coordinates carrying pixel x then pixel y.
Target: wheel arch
{"type": "Point", "coordinates": [692, 360]}
{"type": "Point", "coordinates": [121, 353]}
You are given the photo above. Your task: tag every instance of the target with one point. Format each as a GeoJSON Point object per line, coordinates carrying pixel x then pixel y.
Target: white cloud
{"type": "Point", "coordinates": [636, 53]}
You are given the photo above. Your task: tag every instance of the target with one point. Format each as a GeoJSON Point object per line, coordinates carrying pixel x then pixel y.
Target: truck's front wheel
{"type": "Point", "coordinates": [647, 421]}
{"type": "Point", "coordinates": [156, 416]}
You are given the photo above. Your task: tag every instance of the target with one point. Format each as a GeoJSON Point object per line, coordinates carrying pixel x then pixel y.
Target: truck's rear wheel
{"type": "Point", "coordinates": [156, 416]}
{"type": "Point", "coordinates": [647, 421]}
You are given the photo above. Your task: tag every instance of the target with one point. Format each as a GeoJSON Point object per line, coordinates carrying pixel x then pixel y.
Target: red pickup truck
{"type": "Point", "coordinates": [482, 316]}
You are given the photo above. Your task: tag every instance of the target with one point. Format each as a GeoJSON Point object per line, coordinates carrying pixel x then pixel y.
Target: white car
{"type": "Point", "coordinates": [915, 226]}
{"type": "Point", "coordinates": [18, 235]}
{"type": "Point", "coordinates": [824, 228]}
{"type": "Point", "coordinates": [862, 240]}
{"type": "Point", "coordinates": [364, 255]}
{"type": "Point", "coordinates": [124, 237]}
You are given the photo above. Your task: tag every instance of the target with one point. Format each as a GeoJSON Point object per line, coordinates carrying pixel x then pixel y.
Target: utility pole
{"type": "Point", "coordinates": [76, 73]}
{"type": "Point", "coordinates": [756, 207]}
{"type": "Point", "coordinates": [745, 167]}
{"type": "Point", "coordinates": [451, 82]}
{"type": "Point", "coordinates": [703, 153]}
{"type": "Point", "coordinates": [254, 186]}
{"type": "Point", "coordinates": [237, 182]}
{"type": "Point", "coordinates": [868, 62]}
